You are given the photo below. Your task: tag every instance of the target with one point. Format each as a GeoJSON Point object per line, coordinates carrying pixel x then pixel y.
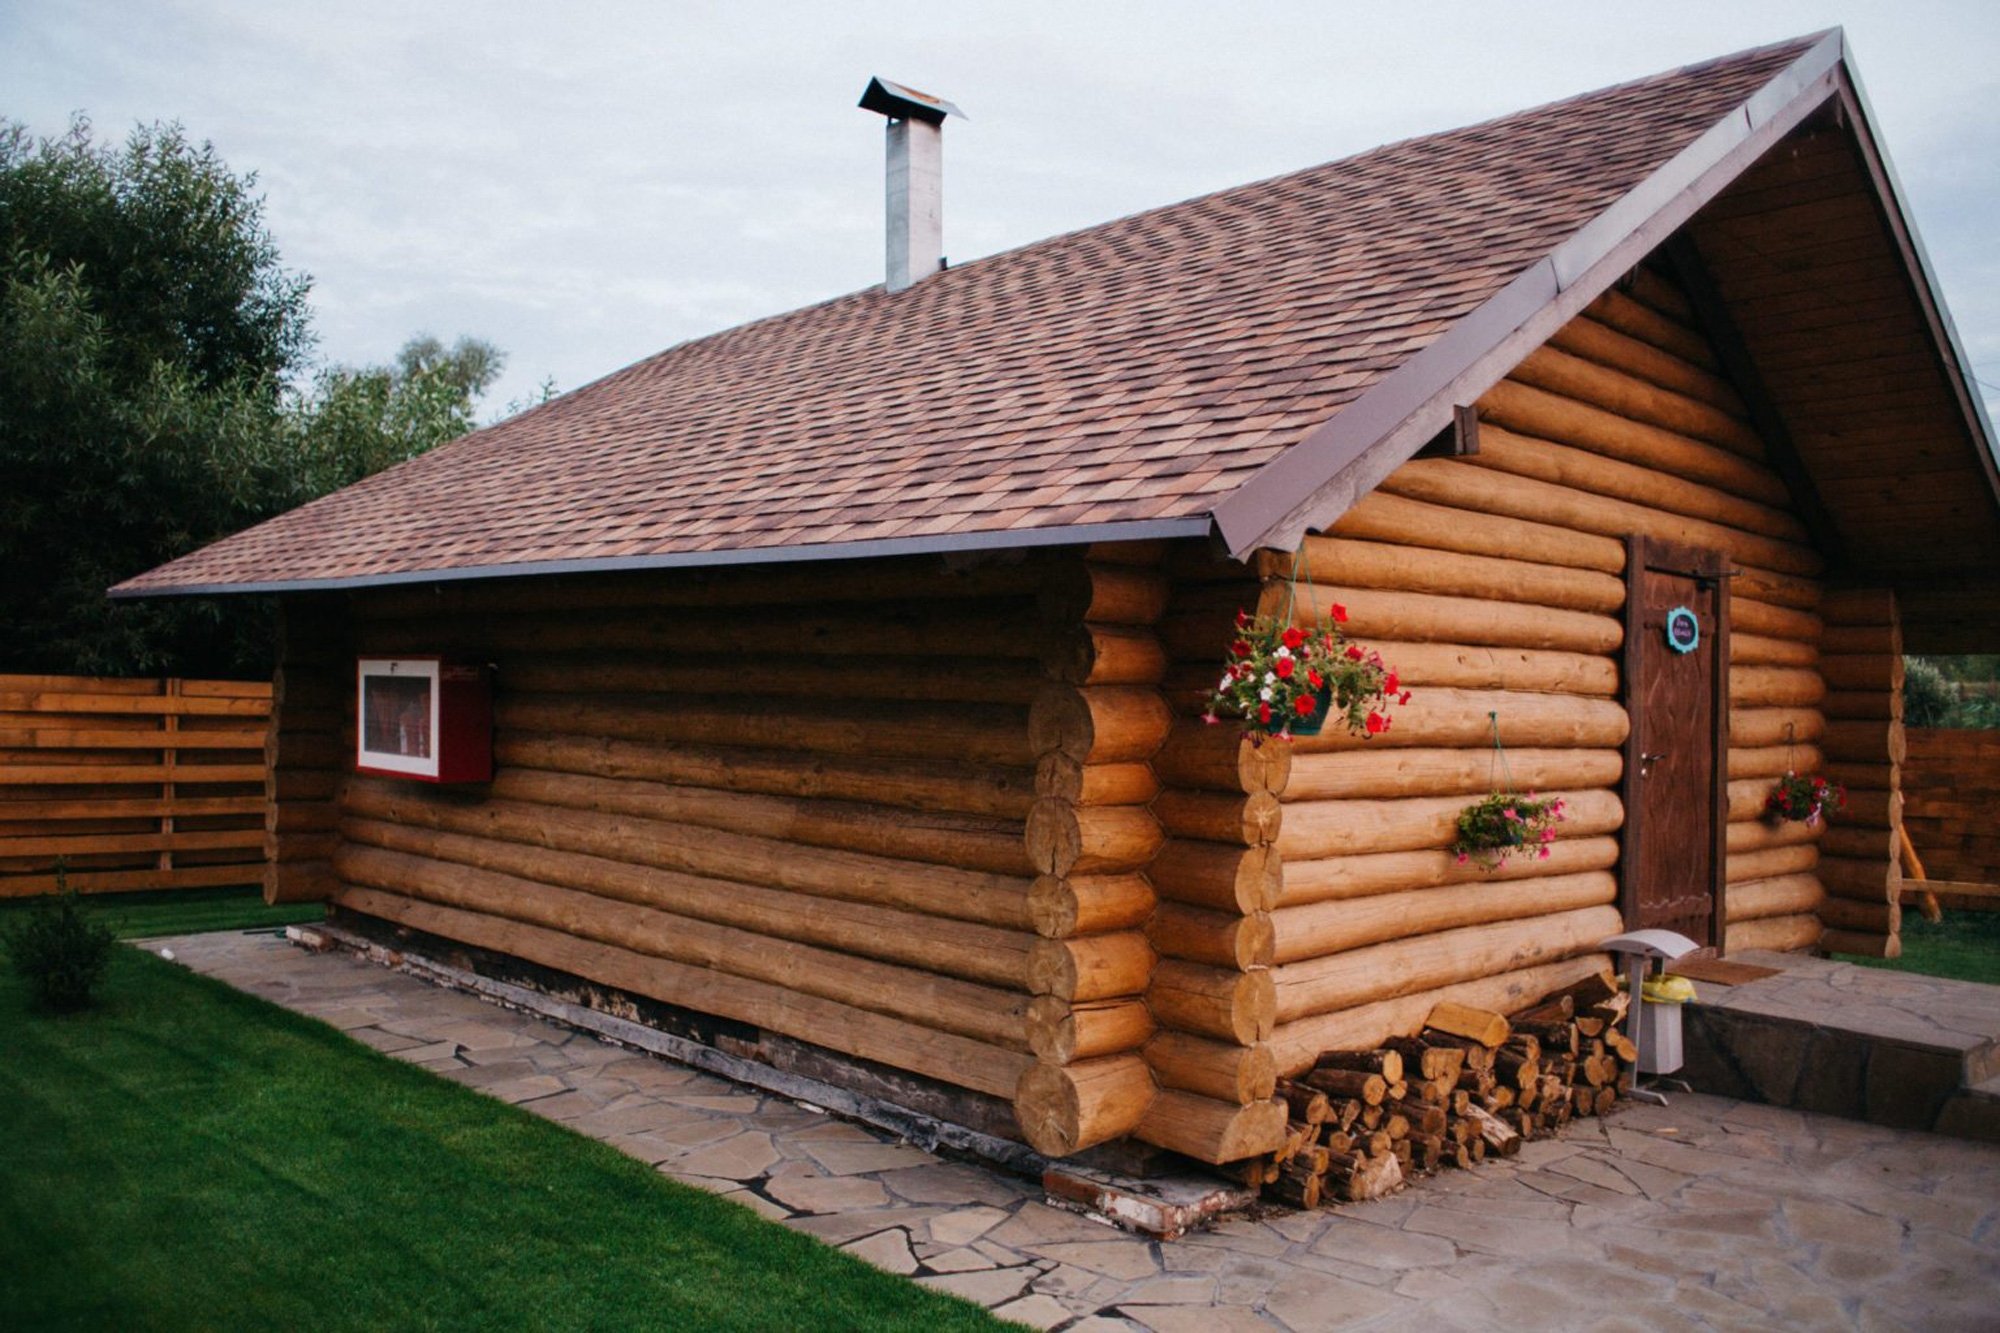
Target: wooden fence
{"type": "Point", "coordinates": [135, 784]}
{"type": "Point", "coordinates": [1951, 807]}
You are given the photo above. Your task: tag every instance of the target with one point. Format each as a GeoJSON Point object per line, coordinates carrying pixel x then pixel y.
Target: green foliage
{"type": "Point", "coordinates": [60, 951]}
{"type": "Point", "coordinates": [149, 337]}
{"type": "Point", "coordinates": [357, 421]}
{"type": "Point", "coordinates": [1957, 692]}
{"type": "Point", "coordinates": [1497, 827]}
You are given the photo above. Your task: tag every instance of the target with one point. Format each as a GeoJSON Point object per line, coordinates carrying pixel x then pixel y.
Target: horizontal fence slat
{"type": "Point", "coordinates": [192, 738]}
{"type": "Point", "coordinates": [106, 844]}
{"type": "Point", "coordinates": [155, 807]}
{"type": "Point", "coordinates": [125, 881]}
{"type": "Point", "coordinates": [74, 775]}
{"type": "Point", "coordinates": [178, 704]}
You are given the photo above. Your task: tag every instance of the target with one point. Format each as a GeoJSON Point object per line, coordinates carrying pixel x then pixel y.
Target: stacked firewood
{"type": "Point", "coordinates": [1471, 1084]}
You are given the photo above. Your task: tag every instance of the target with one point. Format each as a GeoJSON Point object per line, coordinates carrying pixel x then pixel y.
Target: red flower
{"type": "Point", "coordinates": [1284, 666]}
{"type": "Point", "coordinates": [1389, 683]}
{"type": "Point", "coordinates": [1295, 638]}
{"type": "Point", "coordinates": [1405, 699]}
{"type": "Point", "coordinates": [1375, 724]}
{"type": "Point", "coordinates": [1339, 614]}
{"type": "Point", "coordinates": [1240, 648]}
{"type": "Point", "coordinates": [1314, 679]}
{"type": "Point", "coordinates": [1354, 651]}
{"type": "Point", "coordinates": [1264, 714]}
{"type": "Point", "coordinates": [1242, 618]}
{"type": "Point", "coordinates": [1306, 704]}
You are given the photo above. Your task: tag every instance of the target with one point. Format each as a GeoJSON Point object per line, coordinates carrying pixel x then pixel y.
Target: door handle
{"type": "Point", "coordinates": [1646, 762]}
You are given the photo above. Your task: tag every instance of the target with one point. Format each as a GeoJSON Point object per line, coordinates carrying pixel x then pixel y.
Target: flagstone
{"type": "Point", "coordinates": [965, 1225]}
{"type": "Point", "coordinates": [826, 1194]}
{"type": "Point", "coordinates": [990, 1287]}
{"type": "Point", "coordinates": [1035, 1311]}
{"type": "Point", "coordinates": [964, 1259]}
{"type": "Point", "coordinates": [744, 1157]}
{"type": "Point", "coordinates": [887, 1250]}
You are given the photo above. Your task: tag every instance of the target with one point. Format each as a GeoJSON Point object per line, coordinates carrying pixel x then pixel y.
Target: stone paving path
{"type": "Point", "coordinates": [1707, 1214]}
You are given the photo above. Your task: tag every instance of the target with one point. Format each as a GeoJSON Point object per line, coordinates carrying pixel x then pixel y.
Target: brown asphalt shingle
{"type": "Point", "coordinates": [1137, 370]}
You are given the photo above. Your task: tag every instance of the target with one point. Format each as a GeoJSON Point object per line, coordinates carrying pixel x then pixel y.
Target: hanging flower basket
{"type": "Point", "coordinates": [1281, 681]}
{"type": "Point", "coordinates": [1505, 824]}
{"type": "Point", "coordinates": [1803, 799]}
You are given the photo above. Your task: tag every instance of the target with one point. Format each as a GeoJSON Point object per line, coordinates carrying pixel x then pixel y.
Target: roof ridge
{"type": "Point", "coordinates": [877, 289]}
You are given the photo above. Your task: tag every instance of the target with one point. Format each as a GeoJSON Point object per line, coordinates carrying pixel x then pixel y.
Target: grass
{"type": "Point", "coordinates": [188, 1156]}
{"type": "Point", "coordinates": [184, 911]}
{"type": "Point", "coordinates": [1964, 945]}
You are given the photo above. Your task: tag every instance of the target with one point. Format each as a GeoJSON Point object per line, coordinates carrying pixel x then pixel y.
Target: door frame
{"type": "Point", "coordinates": [1710, 569]}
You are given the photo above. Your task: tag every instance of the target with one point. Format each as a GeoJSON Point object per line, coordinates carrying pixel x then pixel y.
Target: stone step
{"type": "Point", "coordinates": [1973, 1113]}
{"type": "Point", "coordinates": [1982, 1064]}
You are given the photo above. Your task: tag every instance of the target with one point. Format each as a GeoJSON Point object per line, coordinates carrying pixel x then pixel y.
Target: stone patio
{"type": "Point", "coordinates": [1894, 1048]}
{"type": "Point", "coordinates": [1709, 1213]}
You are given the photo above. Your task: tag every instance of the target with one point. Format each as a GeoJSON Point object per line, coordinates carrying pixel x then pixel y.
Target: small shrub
{"type": "Point", "coordinates": [59, 951]}
{"type": "Point", "coordinates": [1930, 698]}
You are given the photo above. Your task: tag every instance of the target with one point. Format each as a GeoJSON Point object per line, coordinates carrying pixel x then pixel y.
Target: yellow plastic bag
{"type": "Point", "coordinates": [1668, 989]}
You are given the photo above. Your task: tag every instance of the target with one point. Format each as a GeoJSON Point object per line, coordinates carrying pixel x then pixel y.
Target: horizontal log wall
{"type": "Point", "coordinates": [131, 784]}
{"type": "Point", "coordinates": [1493, 583]}
{"type": "Point", "coordinates": [800, 798]}
{"type": "Point", "coordinates": [1951, 802]}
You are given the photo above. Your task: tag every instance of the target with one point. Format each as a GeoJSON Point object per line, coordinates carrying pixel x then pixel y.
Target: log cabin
{"type": "Point", "coordinates": [845, 668]}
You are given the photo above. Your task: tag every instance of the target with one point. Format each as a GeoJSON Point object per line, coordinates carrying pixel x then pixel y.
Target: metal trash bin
{"type": "Point", "coordinates": [1655, 1025]}
{"type": "Point", "coordinates": [1659, 1023]}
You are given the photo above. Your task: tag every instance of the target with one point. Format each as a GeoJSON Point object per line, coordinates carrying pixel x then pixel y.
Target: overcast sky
{"type": "Point", "coordinates": [585, 184]}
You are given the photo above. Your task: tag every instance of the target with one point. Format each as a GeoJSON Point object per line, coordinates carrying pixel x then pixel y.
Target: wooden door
{"type": "Point", "coordinates": [1676, 683]}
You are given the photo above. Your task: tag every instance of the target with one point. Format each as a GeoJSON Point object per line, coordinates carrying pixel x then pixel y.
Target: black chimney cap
{"type": "Point", "coordinates": [898, 102]}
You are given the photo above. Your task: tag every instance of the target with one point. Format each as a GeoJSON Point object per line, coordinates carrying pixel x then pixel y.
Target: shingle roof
{"type": "Point", "coordinates": [1130, 373]}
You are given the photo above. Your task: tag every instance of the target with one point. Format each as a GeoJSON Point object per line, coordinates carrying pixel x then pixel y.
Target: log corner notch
{"type": "Point", "coordinates": [1861, 658]}
{"type": "Point", "coordinates": [1090, 836]}
{"type": "Point", "coordinates": [305, 749]}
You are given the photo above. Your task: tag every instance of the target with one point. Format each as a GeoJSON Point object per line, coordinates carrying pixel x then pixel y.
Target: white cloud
{"type": "Point", "coordinates": [587, 185]}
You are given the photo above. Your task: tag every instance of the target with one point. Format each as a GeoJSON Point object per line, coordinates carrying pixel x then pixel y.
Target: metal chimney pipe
{"type": "Point", "coordinates": [914, 179]}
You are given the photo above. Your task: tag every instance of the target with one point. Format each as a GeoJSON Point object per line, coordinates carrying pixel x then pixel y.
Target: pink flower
{"type": "Point", "coordinates": [1210, 718]}
{"type": "Point", "coordinates": [1511, 813]}
{"type": "Point", "coordinates": [1545, 854]}
{"type": "Point", "coordinates": [1463, 858]}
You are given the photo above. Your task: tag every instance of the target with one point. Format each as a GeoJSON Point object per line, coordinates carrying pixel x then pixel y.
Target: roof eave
{"type": "Point", "coordinates": [936, 544]}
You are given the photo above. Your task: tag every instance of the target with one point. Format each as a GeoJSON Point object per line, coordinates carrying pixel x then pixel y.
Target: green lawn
{"type": "Point", "coordinates": [183, 911]}
{"type": "Point", "coordinates": [1965, 945]}
{"type": "Point", "coordinates": [188, 1156]}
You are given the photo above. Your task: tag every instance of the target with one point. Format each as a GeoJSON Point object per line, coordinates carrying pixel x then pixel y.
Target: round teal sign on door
{"type": "Point", "coordinates": [1683, 630]}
